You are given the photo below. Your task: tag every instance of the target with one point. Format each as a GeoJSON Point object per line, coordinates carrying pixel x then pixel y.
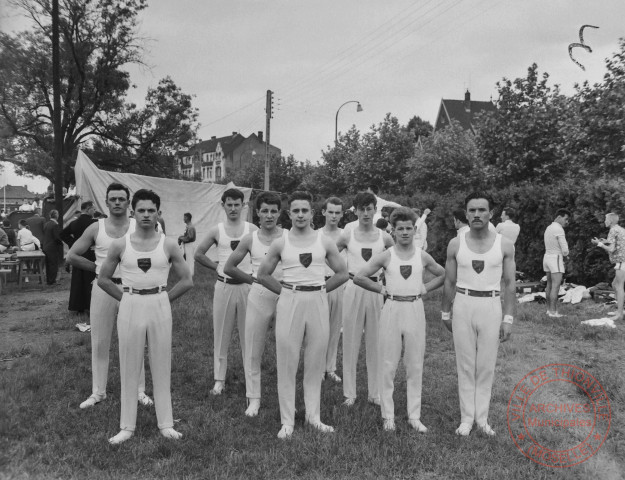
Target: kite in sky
{"type": "Point", "coordinates": [581, 44]}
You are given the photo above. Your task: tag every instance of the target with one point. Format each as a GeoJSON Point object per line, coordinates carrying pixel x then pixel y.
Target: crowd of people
{"type": "Point", "coordinates": [316, 284]}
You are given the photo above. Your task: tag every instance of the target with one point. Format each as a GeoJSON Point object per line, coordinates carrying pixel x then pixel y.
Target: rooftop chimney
{"type": "Point", "coordinates": [260, 135]}
{"type": "Point", "coordinates": [213, 137]}
{"type": "Point", "coordinates": [467, 101]}
{"type": "Point", "coordinates": [234, 134]}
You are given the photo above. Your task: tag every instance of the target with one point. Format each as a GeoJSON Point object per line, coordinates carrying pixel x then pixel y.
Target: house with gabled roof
{"type": "Point", "coordinates": [12, 197]}
{"type": "Point", "coordinates": [462, 111]}
{"type": "Point", "coordinates": [212, 160]}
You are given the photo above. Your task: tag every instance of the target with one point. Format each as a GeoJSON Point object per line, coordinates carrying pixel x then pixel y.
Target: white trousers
{"type": "Point", "coordinates": [261, 309]}
{"type": "Point", "coordinates": [189, 252]}
{"type": "Point", "coordinates": [335, 304]}
{"type": "Point", "coordinates": [229, 304]}
{"type": "Point", "coordinates": [102, 315]}
{"type": "Point", "coordinates": [301, 318]}
{"type": "Point", "coordinates": [141, 317]}
{"type": "Point", "coordinates": [476, 322]}
{"type": "Point", "coordinates": [401, 323]}
{"type": "Point", "coordinates": [361, 310]}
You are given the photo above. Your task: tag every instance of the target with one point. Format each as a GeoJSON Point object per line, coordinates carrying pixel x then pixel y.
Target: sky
{"type": "Point", "coordinates": [394, 56]}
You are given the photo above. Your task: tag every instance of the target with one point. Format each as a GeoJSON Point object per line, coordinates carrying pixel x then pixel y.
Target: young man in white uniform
{"type": "Point", "coordinates": [302, 312]}
{"type": "Point", "coordinates": [103, 307]}
{"type": "Point", "coordinates": [361, 308]}
{"type": "Point", "coordinates": [556, 251]}
{"type": "Point", "coordinates": [230, 298]}
{"type": "Point", "coordinates": [144, 258]}
{"type": "Point", "coordinates": [261, 302]}
{"type": "Point", "coordinates": [476, 261]}
{"type": "Point", "coordinates": [507, 227]}
{"type": "Point", "coordinates": [333, 212]}
{"type": "Point", "coordinates": [403, 317]}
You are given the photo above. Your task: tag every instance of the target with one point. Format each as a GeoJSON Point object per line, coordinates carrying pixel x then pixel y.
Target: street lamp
{"type": "Point", "coordinates": [336, 122]}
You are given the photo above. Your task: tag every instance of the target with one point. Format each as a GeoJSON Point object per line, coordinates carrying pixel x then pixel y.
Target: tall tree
{"type": "Point", "coordinates": [285, 174]}
{"type": "Point", "coordinates": [420, 128]}
{"type": "Point", "coordinates": [521, 140]}
{"type": "Point", "coordinates": [99, 38]}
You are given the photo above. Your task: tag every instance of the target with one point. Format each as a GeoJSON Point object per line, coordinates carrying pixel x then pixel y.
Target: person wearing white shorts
{"type": "Point", "coordinates": [556, 251]}
{"type": "Point", "coordinates": [615, 246]}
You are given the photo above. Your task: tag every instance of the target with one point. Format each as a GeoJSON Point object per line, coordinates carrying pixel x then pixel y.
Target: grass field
{"type": "Point", "coordinates": [43, 433]}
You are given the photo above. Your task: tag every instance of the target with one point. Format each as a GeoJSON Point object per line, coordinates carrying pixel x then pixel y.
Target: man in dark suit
{"type": "Point", "coordinates": [36, 224]}
{"type": "Point", "coordinates": [80, 291]}
{"type": "Point", "coordinates": [52, 246]}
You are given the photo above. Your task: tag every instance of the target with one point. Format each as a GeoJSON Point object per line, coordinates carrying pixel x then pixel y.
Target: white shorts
{"type": "Point", "coordinates": [553, 263]}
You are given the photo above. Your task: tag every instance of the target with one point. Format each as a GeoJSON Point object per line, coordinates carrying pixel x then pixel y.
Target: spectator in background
{"type": "Point", "coordinates": [188, 242]}
{"type": "Point", "coordinates": [161, 222]}
{"type": "Point", "coordinates": [615, 246]}
{"type": "Point", "coordinates": [380, 202]}
{"type": "Point", "coordinates": [26, 206]}
{"type": "Point", "coordinates": [556, 251]}
{"type": "Point", "coordinates": [421, 229]}
{"type": "Point", "coordinates": [26, 241]}
{"type": "Point", "coordinates": [4, 240]}
{"type": "Point", "coordinates": [508, 228]}
{"type": "Point", "coordinates": [36, 224]}
{"type": "Point", "coordinates": [52, 247]}
{"type": "Point", "coordinates": [38, 203]}
{"type": "Point", "coordinates": [80, 290]}
{"type": "Point", "coordinates": [461, 224]}
{"type": "Point", "coordinates": [6, 226]}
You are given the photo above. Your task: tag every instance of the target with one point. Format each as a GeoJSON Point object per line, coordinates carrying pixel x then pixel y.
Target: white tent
{"type": "Point", "coordinates": [202, 200]}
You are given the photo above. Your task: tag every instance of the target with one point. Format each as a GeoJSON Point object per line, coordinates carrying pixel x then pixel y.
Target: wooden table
{"type": "Point", "coordinates": [32, 264]}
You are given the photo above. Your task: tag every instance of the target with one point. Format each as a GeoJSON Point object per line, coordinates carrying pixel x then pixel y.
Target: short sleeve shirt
{"type": "Point", "coordinates": [617, 237]}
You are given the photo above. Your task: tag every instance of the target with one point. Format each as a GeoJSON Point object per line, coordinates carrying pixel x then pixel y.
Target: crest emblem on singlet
{"type": "Point", "coordinates": [405, 270]}
{"type": "Point", "coordinates": [144, 264]}
{"type": "Point", "coordinates": [305, 259]}
{"type": "Point", "coordinates": [234, 244]}
{"type": "Point", "coordinates": [478, 265]}
{"type": "Point", "coordinates": [366, 253]}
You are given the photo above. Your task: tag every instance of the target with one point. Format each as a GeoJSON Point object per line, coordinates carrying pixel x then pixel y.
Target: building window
{"type": "Point", "coordinates": [218, 173]}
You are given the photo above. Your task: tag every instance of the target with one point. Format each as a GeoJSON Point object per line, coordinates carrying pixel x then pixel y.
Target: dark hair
{"type": "Point", "coordinates": [381, 224]}
{"type": "Point", "coordinates": [374, 188]}
{"type": "Point", "coordinates": [561, 212]}
{"type": "Point", "coordinates": [362, 199]}
{"type": "Point", "coordinates": [301, 195]}
{"type": "Point", "coordinates": [510, 212]}
{"type": "Point", "coordinates": [234, 194]}
{"type": "Point", "coordinates": [117, 186]}
{"type": "Point", "coordinates": [477, 195]}
{"type": "Point", "coordinates": [145, 194]}
{"type": "Point", "coordinates": [403, 214]}
{"type": "Point", "coordinates": [22, 222]}
{"type": "Point", "coordinates": [188, 215]}
{"type": "Point", "coordinates": [268, 198]}
{"type": "Point", "coordinates": [333, 201]}
{"type": "Point", "coordinates": [54, 214]}
{"type": "Point", "coordinates": [461, 215]}
{"type": "Point", "coordinates": [86, 205]}
{"type": "Point", "coordinates": [6, 223]}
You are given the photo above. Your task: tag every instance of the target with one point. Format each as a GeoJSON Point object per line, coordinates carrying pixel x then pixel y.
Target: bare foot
{"type": "Point", "coordinates": [171, 433]}
{"type": "Point", "coordinates": [121, 437]}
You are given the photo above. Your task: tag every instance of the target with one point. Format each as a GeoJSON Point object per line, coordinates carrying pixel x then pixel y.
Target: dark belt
{"type": "Point", "coordinates": [403, 298]}
{"type": "Point", "coordinates": [231, 281]}
{"type": "Point", "coordinates": [303, 288]}
{"type": "Point", "coordinates": [351, 277]}
{"type": "Point", "coordinates": [115, 280]}
{"type": "Point", "coordinates": [145, 291]}
{"type": "Point", "coordinates": [478, 293]}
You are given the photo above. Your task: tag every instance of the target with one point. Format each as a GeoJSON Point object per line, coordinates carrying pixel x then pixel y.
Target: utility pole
{"type": "Point", "coordinates": [56, 113]}
{"type": "Point", "coordinates": [269, 116]}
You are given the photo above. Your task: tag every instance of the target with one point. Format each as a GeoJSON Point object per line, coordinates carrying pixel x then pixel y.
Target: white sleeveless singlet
{"type": "Point", "coordinates": [103, 243]}
{"type": "Point", "coordinates": [404, 277]}
{"type": "Point", "coordinates": [359, 253]}
{"type": "Point", "coordinates": [144, 270]}
{"type": "Point", "coordinates": [479, 271]}
{"type": "Point", "coordinates": [304, 265]}
{"type": "Point", "coordinates": [227, 245]}
{"type": "Point", "coordinates": [258, 252]}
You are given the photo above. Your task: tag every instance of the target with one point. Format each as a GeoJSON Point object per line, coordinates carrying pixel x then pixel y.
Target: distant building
{"type": "Point", "coordinates": [462, 111]}
{"type": "Point", "coordinates": [211, 160]}
{"type": "Point", "coordinates": [13, 196]}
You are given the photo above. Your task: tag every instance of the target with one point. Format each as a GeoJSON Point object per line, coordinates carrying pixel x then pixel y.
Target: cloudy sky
{"type": "Point", "coordinates": [396, 56]}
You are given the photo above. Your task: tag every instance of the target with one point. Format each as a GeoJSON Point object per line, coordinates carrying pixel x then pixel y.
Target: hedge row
{"type": "Point", "coordinates": [536, 206]}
